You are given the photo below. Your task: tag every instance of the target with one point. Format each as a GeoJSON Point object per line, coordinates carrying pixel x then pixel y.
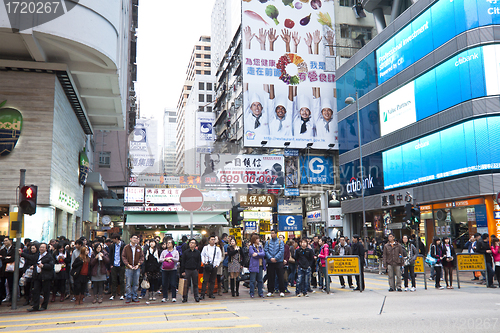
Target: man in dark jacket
{"type": "Point", "coordinates": [483, 247]}
{"type": "Point", "coordinates": [43, 274]}
{"type": "Point", "coordinates": [358, 250]}
{"type": "Point", "coordinates": [190, 263]}
{"type": "Point", "coordinates": [342, 249]}
{"type": "Point", "coordinates": [117, 266]}
{"type": "Point", "coordinates": [304, 259]}
{"type": "Point", "coordinates": [7, 255]}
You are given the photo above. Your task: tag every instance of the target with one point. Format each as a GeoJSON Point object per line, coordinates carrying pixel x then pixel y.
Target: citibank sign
{"type": "Point", "coordinates": [354, 184]}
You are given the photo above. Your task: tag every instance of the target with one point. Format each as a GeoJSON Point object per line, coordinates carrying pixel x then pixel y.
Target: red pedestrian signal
{"type": "Point", "coordinates": [27, 200]}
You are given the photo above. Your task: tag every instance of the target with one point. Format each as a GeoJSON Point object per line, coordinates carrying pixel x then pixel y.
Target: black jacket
{"type": "Point", "coordinates": [151, 264]}
{"type": "Point", "coordinates": [64, 273]}
{"type": "Point", "coordinates": [4, 254]}
{"type": "Point", "coordinates": [358, 250]}
{"type": "Point", "coordinates": [30, 260]}
{"type": "Point", "coordinates": [482, 247]}
{"type": "Point", "coordinates": [232, 252]}
{"type": "Point", "coordinates": [304, 258]}
{"type": "Point", "coordinates": [47, 272]}
{"type": "Point", "coordinates": [112, 253]}
{"type": "Point", "coordinates": [190, 260]}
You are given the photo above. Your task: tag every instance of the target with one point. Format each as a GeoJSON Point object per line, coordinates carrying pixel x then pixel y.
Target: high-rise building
{"type": "Point", "coordinates": [64, 81]}
{"type": "Point", "coordinates": [170, 142]}
{"type": "Point", "coordinates": [199, 64]}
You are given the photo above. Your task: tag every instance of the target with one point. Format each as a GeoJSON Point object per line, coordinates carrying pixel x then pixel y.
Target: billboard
{"type": "Point", "coordinates": [290, 223]}
{"type": "Point", "coordinates": [255, 171]}
{"type": "Point", "coordinates": [143, 146]}
{"type": "Point", "coordinates": [288, 87]}
{"type": "Point", "coordinates": [133, 195]}
{"type": "Point", "coordinates": [460, 149]}
{"type": "Point", "coordinates": [316, 170]}
{"type": "Point", "coordinates": [397, 109]}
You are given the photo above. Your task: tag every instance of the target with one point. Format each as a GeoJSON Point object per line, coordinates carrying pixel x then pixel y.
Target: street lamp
{"type": "Point", "coordinates": [350, 100]}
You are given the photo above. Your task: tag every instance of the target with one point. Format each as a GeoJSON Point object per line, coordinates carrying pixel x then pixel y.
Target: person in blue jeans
{"type": "Point", "coordinates": [304, 259]}
{"type": "Point", "coordinates": [256, 265]}
{"type": "Point", "coordinates": [132, 257]}
{"type": "Point", "coordinates": [169, 259]}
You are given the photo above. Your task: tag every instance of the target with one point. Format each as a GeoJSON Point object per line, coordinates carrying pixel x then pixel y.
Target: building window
{"type": "Point", "coordinates": [206, 64]}
{"type": "Point", "coordinates": [198, 64]}
{"type": "Point", "coordinates": [209, 109]}
{"type": "Point", "coordinates": [201, 109]}
{"type": "Point", "coordinates": [172, 114]}
{"type": "Point", "coordinates": [206, 56]}
{"type": "Point", "coordinates": [172, 120]}
{"type": "Point", "coordinates": [201, 85]}
{"type": "Point", "coordinates": [207, 72]}
{"type": "Point", "coordinates": [209, 86]}
{"type": "Point", "coordinates": [346, 3]}
{"type": "Point", "coordinates": [351, 32]}
{"type": "Point", "coordinates": [104, 159]}
{"type": "Point", "coordinates": [201, 98]}
{"type": "Point", "coordinates": [188, 88]}
{"type": "Point", "coordinates": [198, 55]}
{"type": "Point", "coordinates": [198, 47]}
{"type": "Point", "coordinates": [209, 98]}
{"type": "Point", "coordinates": [198, 72]}
{"type": "Point", "coordinates": [207, 48]}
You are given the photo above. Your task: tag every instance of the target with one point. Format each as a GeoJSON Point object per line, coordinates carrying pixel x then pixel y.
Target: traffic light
{"type": "Point", "coordinates": [236, 215]}
{"type": "Point", "coordinates": [415, 213]}
{"type": "Point", "coordinates": [408, 209]}
{"type": "Point", "coordinates": [27, 201]}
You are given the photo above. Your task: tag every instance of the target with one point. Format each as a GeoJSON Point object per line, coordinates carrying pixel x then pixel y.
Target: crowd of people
{"type": "Point", "coordinates": [153, 269]}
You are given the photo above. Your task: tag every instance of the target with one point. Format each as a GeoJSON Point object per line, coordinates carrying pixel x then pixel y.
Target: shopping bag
{"type": "Point", "coordinates": [183, 287]}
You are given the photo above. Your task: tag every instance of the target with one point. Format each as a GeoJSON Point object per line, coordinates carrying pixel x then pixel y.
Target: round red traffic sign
{"type": "Point", "coordinates": [191, 199]}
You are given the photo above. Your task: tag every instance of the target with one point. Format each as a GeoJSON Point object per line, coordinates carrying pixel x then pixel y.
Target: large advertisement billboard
{"type": "Point", "coordinates": [143, 147]}
{"type": "Point", "coordinates": [239, 171]}
{"type": "Point", "coordinates": [288, 91]}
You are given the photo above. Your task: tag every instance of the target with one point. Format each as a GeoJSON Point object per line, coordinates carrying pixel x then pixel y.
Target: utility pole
{"type": "Point", "coordinates": [19, 227]}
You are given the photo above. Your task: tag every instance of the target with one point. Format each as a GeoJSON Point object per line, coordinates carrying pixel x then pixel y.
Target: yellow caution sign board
{"type": "Point", "coordinates": [343, 265]}
{"type": "Point", "coordinates": [470, 262]}
{"type": "Point", "coordinates": [419, 265]}
{"type": "Point", "coordinates": [236, 233]}
{"type": "Point", "coordinates": [13, 233]}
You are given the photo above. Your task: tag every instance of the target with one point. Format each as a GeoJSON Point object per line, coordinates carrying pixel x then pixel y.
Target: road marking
{"type": "Point", "coordinates": [151, 309]}
{"type": "Point", "coordinates": [135, 323]}
{"type": "Point", "coordinates": [118, 318]}
{"type": "Point", "coordinates": [187, 329]}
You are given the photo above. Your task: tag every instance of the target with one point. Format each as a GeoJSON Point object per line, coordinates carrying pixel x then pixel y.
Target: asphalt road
{"type": "Point", "coordinates": [471, 308]}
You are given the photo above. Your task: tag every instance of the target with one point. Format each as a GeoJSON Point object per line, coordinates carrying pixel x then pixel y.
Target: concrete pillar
{"type": "Point", "coordinates": [396, 9]}
{"type": "Point", "coordinates": [378, 16]}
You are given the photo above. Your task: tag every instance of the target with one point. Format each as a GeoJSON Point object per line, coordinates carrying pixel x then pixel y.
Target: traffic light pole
{"type": "Point", "coordinates": [20, 216]}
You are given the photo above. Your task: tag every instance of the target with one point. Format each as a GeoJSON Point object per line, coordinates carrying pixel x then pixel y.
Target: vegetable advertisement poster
{"type": "Point", "coordinates": [288, 89]}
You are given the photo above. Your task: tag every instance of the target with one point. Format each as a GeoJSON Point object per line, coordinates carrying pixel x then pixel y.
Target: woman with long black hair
{"type": "Point", "coordinates": [80, 270]}
{"type": "Point", "coordinates": [448, 262]}
{"type": "Point", "coordinates": [437, 253]}
{"type": "Point", "coordinates": [152, 268]}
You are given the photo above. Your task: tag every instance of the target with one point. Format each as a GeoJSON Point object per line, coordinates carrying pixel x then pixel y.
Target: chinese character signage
{"type": "Point", "coordinates": [313, 203]}
{"type": "Point", "coordinates": [162, 195]}
{"type": "Point", "coordinates": [251, 215]}
{"type": "Point", "coordinates": [316, 170]}
{"type": "Point", "coordinates": [255, 171]}
{"type": "Point", "coordinates": [133, 195]}
{"type": "Point", "coordinates": [345, 265]}
{"type": "Point", "coordinates": [290, 223]}
{"type": "Point", "coordinates": [288, 90]}
{"type": "Point", "coordinates": [257, 200]}
{"type": "Point", "coordinates": [143, 147]}
{"type": "Point", "coordinates": [161, 180]}
{"type": "Point", "coordinates": [470, 262]}
{"type": "Point", "coordinates": [250, 226]}
{"type": "Point", "coordinates": [334, 218]}
{"type": "Point", "coordinates": [289, 206]}
{"type": "Point", "coordinates": [397, 198]}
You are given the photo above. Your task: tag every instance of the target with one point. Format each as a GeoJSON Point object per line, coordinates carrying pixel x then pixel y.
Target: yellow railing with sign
{"type": "Point", "coordinates": [419, 265]}
{"type": "Point", "coordinates": [343, 265]}
{"type": "Point", "coordinates": [470, 262]}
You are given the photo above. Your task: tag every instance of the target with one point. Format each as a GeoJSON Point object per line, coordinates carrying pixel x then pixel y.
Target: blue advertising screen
{"type": "Point", "coordinates": [289, 222]}
{"type": "Point", "coordinates": [460, 149]}
{"type": "Point", "coordinates": [316, 170]}
{"type": "Point", "coordinates": [434, 27]}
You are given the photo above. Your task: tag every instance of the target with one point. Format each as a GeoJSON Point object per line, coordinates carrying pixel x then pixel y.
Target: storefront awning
{"type": "Point", "coordinates": [178, 219]}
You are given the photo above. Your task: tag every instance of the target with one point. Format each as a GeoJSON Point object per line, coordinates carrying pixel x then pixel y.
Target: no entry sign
{"type": "Point", "coordinates": [191, 199]}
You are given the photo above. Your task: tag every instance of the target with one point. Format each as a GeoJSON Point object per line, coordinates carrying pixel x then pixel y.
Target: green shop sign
{"type": "Point", "coordinates": [84, 168]}
{"type": "Point", "coordinates": [11, 123]}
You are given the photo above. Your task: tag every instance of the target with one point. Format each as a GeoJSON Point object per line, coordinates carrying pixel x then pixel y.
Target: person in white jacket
{"type": "Point", "coordinates": [303, 123]}
{"type": "Point", "coordinates": [323, 114]}
{"type": "Point", "coordinates": [256, 118]}
{"type": "Point", "coordinates": [280, 114]}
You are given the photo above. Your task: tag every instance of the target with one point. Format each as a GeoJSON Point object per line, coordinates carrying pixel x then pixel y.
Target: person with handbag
{"type": "Point", "coordinates": [190, 264]}
{"type": "Point", "coordinates": [43, 274]}
{"type": "Point", "coordinates": [234, 266]}
{"type": "Point", "coordinates": [152, 269]}
{"type": "Point", "coordinates": [343, 249]}
{"type": "Point", "coordinates": [62, 261]}
{"type": "Point", "coordinates": [211, 257]}
{"type": "Point", "coordinates": [99, 261]}
{"type": "Point", "coordinates": [80, 271]}
{"type": "Point", "coordinates": [7, 255]}
{"type": "Point", "coordinates": [169, 259]}
{"type": "Point", "coordinates": [256, 265]}
{"type": "Point", "coordinates": [448, 262]}
{"type": "Point", "coordinates": [409, 263]}
{"type": "Point", "coordinates": [324, 252]}
{"type": "Point", "coordinates": [437, 253]}
{"type": "Point", "coordinates": [30, 258]}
